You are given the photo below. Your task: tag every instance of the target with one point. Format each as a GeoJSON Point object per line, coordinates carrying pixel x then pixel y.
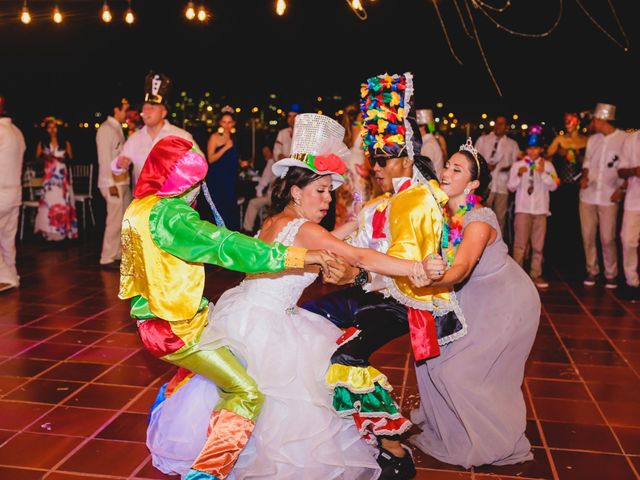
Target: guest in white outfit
{"type": "Point", "coordinates": [263, 192]}
{"type": "Point", "coordinates": [501, 152]}
{"type": "Point", "coordinates": [600, 194]}
{"type": "Point", "coordinates": [532, 178]}
{"type": "Point", "coordinates": [430, 146]}
{"type": "Point", "coordinates": [154, 113]}
{"type": "Point", "coordinates": [629, 169]}
{"type": "Point", "coordinates": [282, 146]}
{"type": "Point", "coordinates": [12, 149]}
{"type": "Point", "coordinates": [114, 188]}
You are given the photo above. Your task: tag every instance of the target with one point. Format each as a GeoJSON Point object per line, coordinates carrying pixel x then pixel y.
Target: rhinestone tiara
{"type": "Point", "coordinates": [468, 146]}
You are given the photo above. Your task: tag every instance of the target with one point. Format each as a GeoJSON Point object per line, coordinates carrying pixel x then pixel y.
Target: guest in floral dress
{"type": "Point", "coordinates": [56, 219]}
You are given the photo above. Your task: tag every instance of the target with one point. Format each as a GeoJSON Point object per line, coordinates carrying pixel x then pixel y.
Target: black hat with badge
{"type": "Point", "coordinates": [156, 88]}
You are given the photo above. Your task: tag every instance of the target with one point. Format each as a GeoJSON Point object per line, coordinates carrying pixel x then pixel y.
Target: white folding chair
{"type": "Point", "coordinates": [31, 183]}
{"type": "Point", "coordinates": [82, 183]}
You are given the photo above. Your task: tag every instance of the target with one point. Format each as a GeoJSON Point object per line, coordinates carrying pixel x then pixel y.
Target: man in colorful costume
{"type": "Point", "coordinates": [164, 247]}
{"type": "Point", "coordinates": [405, 222]}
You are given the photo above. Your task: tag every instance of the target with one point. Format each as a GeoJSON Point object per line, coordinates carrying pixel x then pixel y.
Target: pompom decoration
{"type": "Point", "coordinates": [452, 228]}
{"type": "Point", "coordinates": [382, 102]}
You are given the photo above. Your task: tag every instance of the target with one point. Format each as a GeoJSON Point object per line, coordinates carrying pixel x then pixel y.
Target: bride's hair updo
{"type": "Point", "coordinates": [479, 171]}
{"type": "Point", "coordinates": [281, 194]}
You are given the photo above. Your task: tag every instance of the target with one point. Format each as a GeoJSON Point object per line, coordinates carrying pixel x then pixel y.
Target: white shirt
{"type": "Point", "coordinates": [501, 152]}
{"type": "Point", "coordinates": [266, 180]}
{"type": "Point", "coordinates": [109, 141]}
{"type": "Point", "coordinates": [283, 143]}
{"type": "Point", "coordinates": [138, 146]}
{"type": "Point", "coordinates": [536, 202]}
{"type": "Point", "coordinates": [602, 158]}
{"type": "Point", "coordinates": [431, 148]}
{"type": "Point", "coordinates": [12, 149]}
{"type": "Point", "coordinates": [631, 159]}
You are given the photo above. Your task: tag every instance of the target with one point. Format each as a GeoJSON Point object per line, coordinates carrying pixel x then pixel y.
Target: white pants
{"type": "Point", "coordinates": [9, 213]}
{"type": "Point", "coordinates": [255, 204]}
{"type": "Point", "coordinates": [115, 211]}
{"type": "Point", "coordinates": [604, 219]}
{"type": "Point", "coordinates": [630, 236]}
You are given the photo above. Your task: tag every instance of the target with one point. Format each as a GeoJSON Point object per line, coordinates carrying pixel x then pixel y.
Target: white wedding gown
{"type": "Point", "coordinates": [298, 435]}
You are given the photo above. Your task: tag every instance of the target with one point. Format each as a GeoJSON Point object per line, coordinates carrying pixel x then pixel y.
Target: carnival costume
{"type": "Point", "coordinates": [164, 248]}
{"type": "Point", "coordinates": [407, 224]}
{"type": "Point", "coordinates": [286, 350]}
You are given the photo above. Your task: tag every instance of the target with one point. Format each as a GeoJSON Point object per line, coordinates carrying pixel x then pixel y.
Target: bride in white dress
{"type": "Point", "coordinates": [298, 435]}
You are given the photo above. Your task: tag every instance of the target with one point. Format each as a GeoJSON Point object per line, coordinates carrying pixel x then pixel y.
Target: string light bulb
{"type": "Point", "coordinates": [106, 13]}
{"type": "Point", "coordinates": [190, 11]}
{"type": "Point", "coordinates": [25, 16]}
{"type": "Point", "coordinates": [57, 15]}
{"type": "Point", "coordinates": [129, 16]}
{"type": "Point", "coordinates": [202, 14]}
{"type": "Point", "coordinates": [281, 6]}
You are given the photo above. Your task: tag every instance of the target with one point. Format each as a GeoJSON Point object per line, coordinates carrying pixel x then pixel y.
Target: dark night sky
{"type": "Point", "coordinates": [318, 48]}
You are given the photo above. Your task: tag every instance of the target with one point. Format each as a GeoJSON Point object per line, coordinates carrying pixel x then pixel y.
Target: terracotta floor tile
{"type": "Point", "coordinates": [77, 337]}
{"type": "Point", "coordinates": [579, 466]}
{"type": "Point", "coordinates": [51, 351]}
{"type": "Point", "coordinates": [106, 355]}
{"type": "Point", "coordinates": [424, 474]}
{"type": "Point", "coordinates": [550, 370]}
{"type": "Point", "coordinates": [81, 422]}
{"type": "Point", "coordinates": [13, 346]}
{"type": "Point", "coordinates": [579, 331]}
{"type": "Point", "coordinates": [630, 439]}
{"type": "Point", "coordinates": [103, 396]}
{"type": "Point", "coordinates": [422, 460]}
{"type": "Point", "coordinates": [123, 340]}
{"type": "Point", "coordinates": [17, 415]}
{"type": "Point", "coordinates": [627, 346]}
{"type": "Point", "coordinates": [149, 472]}
{"type": "Point", "coordinates": [21, 473]}
{"type": "Point", "coordinates": [81, 372]}
{"type": "Point", "coordinates": [107, 457]}
{"type": "Point", "coordinates": [605, 374]}
{"type": "Point", "coordinates": [143, 403]}
{"type": "Point", "coordinates": [554, 389]}
{"type": "Point", "coordinates": [380, 359]}
{"type": "Point", "coordinates": [58, 321]}
{"type": "Point", "coordinates": [76, 476]}
{"type": "Point", "coordinates": [44, 391]}
{"type": "Point", "coordinates": [24, 367]}
{"type": "Point", "coordinates": [624, 414]}
{"type": "Point", "coordinates": [590, 357]}
{"type": "Point", "coordinates": [44, 451]}
{"type": "Point", "coordinates": [588, 344]}
{"type": "Point", "coordinates": [609, 392]}
{"type": "Point", "coordinates": [126, 375]}
{"type": "Point", "coordinates": [569, 411]}
{"type": "Point", "coordinates": [575, 436]}
{"type": "Point", "coordinates": [29, 333]}
{"type": "Point", "coordinates": [102, 325]}
{"type": "Point", "coordinates": [127, 426]}
{"type": "Point", "coordinates": [9, 383]}
{"type": "Point", "coordinates": [536, 468]}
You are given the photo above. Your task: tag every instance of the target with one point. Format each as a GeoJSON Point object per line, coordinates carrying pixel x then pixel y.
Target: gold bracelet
{"type": "Point", "coordinates": [295, 257]}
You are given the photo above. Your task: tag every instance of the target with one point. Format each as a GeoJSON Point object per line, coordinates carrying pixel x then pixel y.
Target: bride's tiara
{"type": "Point", "coordinates": [468, 146]}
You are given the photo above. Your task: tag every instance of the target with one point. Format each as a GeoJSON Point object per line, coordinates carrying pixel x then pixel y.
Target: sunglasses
{"type": "Point", "coordinates": [381, 161]}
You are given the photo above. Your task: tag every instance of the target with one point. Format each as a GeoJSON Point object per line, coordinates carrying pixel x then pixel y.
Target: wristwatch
{"type": "Point", "coordinates": [361, 278]}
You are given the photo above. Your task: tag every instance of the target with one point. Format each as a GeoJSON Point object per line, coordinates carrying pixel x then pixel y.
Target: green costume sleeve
{"type": "Point", "coordinates": [177, 228]}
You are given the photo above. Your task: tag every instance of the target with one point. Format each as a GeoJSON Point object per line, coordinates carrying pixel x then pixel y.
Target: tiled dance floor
{"type": "Point", "coordinates": [75, 384]}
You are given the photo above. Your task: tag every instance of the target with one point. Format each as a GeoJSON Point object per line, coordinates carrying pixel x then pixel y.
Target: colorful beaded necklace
{"type": "Point", "coordinates": [452, 228]}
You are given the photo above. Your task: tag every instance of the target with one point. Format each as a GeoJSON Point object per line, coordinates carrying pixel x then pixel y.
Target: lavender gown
{"type": "Point", "coordinates": [472, 410]}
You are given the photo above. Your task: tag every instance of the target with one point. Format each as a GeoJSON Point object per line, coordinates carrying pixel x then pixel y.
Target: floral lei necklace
{"type": "Point", "coordinates": [452, 228]}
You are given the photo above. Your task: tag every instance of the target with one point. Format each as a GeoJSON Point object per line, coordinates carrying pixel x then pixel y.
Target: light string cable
{"type": "Point", "coordinates": [625, 47]}
{"type": "Point", "coordinates": [482, 7]}
{"type": "Point", "coordinates": [446, 32]}
{"type": "Point", "coordinates": [462, 20]}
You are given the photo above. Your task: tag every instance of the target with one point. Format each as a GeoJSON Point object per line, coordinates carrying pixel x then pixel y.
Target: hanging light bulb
{"type": "Point", "coordinates": [106, 13]}
{"type": "Point", "coordinates": [129, 17]}
{"type": "Point", "coordinates": [57, 15]}
{"type": "Point", "coordinates": [25, 16]}
{"type": "Point", "coordinates": [281, 6]}
{"type": "Point", "coordinates": [356, 5]}
{"type": "Point", "coordinates": [358, 9]}
{"type": "Point", "coordinates": [202, 14]}
{"type": "Point", "coordinates": [190, 12]}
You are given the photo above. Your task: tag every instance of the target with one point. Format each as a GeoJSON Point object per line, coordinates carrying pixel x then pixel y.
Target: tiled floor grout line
{"type": "Point", "coordinates": [585, 384]}
{"type": "Point", "coordinates": [543, 438]}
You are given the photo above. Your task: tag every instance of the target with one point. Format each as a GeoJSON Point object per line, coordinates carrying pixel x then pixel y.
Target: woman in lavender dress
{"type": "Point", "coordinates": [472, 410]}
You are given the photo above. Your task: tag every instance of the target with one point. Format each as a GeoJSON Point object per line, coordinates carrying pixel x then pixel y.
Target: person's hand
{"type": "Point", "coordinates": [584, 181]}
{"type": "Point", "coordinates": [617, 195]}
{"type": "Point", "coordinates": [540, 165]}
{"type": "Point", "coordinates": [434, 266]}
{"type": "Point", "coordinates": [419, 276]}
{"type": "Point", "coordinates": [321, 258]}
{"type": "Point", "coordinates": [113, 191]}
{"type": "Point", "coordinates": [123, 162]}
{"type": "Point", "coordinates": [342, 273]}
{"type": "Point", "coordinates": [522, 171]}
